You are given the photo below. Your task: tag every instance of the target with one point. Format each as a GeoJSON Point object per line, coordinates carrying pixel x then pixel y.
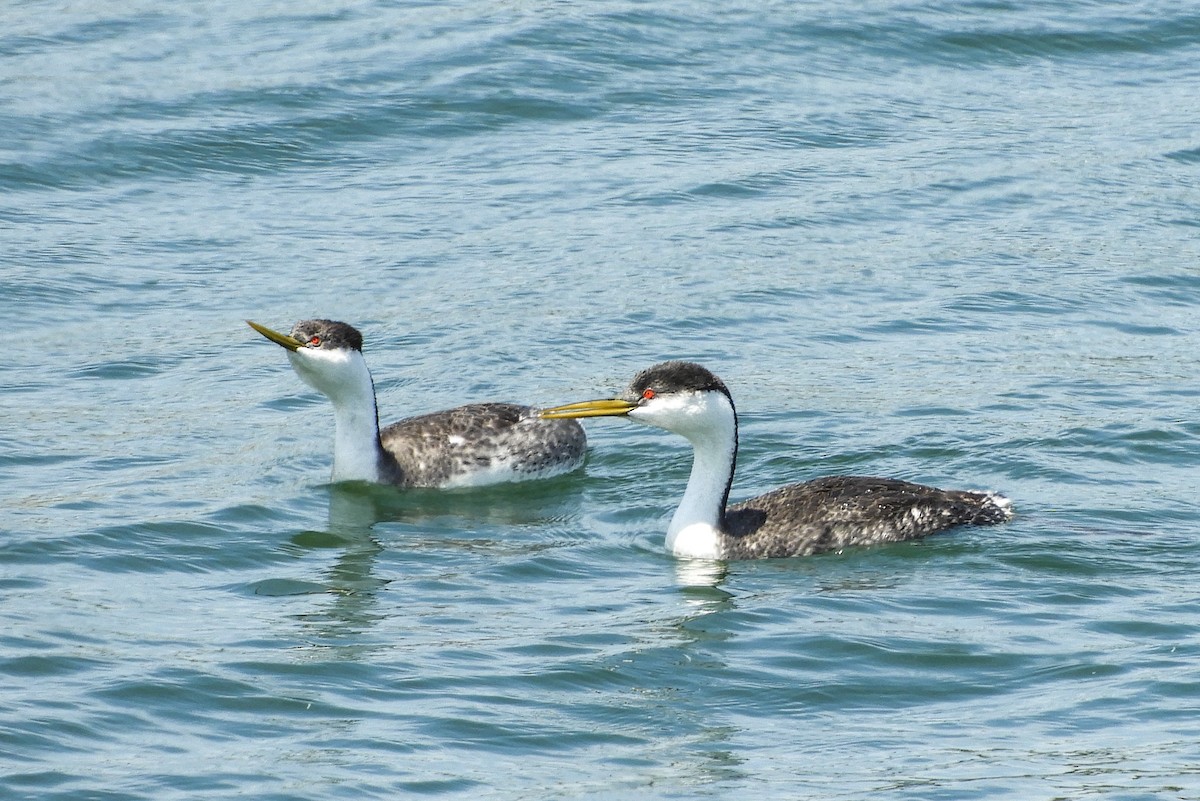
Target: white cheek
{"type": "Point", "coordinates": [331, 372]}
{"type": "Point", "coordinates": [302, 364]}
{"type": "Point", "coordinates": [639, 415]}
{"type": "Point", "coordinates": [691, 414]}
{"type": "Point", "coordinates": [664, 412]}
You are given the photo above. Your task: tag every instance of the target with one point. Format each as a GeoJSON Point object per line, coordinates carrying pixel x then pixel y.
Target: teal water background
{"type": "Point", "coordinates": [950, 242]}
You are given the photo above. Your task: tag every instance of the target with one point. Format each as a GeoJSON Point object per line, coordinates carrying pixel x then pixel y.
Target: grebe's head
{"type": "Point", "coordinates": [681, 397]}
{"type": "Point", "coordinates": [326, 354]}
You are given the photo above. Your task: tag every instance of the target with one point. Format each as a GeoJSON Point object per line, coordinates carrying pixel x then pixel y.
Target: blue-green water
{"type": "Point", "coordinates": [951, 242]}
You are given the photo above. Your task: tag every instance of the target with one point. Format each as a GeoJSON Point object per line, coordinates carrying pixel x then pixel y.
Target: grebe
{"type": "Point", "coordinates": [826, 514]}
{"type": "Point", "coordinates": [473, 445]}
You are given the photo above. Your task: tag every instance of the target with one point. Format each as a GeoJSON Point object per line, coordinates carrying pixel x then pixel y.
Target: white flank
{"type": "Point", "coordinates": [498, 471]}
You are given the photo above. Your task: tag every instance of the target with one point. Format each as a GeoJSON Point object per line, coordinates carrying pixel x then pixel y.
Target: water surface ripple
{"type": "Point", "coordinates": [953, 243]}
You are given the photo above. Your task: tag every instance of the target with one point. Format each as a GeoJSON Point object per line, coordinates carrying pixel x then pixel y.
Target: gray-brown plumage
{"type": "Point", "coordinates": [836, 512]}
{"type": "Point", "coordinates": [441, 448]}
{"type": "Point", "coordinates": [476, 444]}
{"type": "Point", "coordinates": [826, 514]}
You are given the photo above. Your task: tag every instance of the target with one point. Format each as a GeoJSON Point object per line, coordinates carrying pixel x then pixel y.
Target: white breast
{"type": "Point", "coordinates": [697, 541]}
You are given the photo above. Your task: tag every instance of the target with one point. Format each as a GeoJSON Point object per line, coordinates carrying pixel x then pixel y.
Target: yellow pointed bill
{"type": "Point", "coordinates": [593, 408]}
{"type": "Point", "coordinates": [285, 340]}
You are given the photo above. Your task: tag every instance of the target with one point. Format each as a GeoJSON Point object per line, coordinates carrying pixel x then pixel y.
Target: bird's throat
{"type": "Point", "coordinates": [356, 448]}
{"type": "Point", "coordinates": [696, 527]}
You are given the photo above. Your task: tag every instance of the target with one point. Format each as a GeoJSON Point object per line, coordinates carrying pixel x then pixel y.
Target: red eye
{"type": "Point", "coordinates": [316, 340]}
{"type": "Point", "coordinates": [648, 394]}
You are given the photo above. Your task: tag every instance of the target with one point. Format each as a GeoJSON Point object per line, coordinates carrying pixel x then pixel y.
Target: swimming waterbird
{"type": "Point", "coordinates": [472, 445]}
{"type": "Point", "coordinates": [826, 514]}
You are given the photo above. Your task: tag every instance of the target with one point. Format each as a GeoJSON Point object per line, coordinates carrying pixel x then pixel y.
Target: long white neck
{"type": "Point", "coordinates": [356, 441]}
{"type": "Point", "coordinates": [342, 376]}
{"type": "Point", "coordinates": [709, 422]}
